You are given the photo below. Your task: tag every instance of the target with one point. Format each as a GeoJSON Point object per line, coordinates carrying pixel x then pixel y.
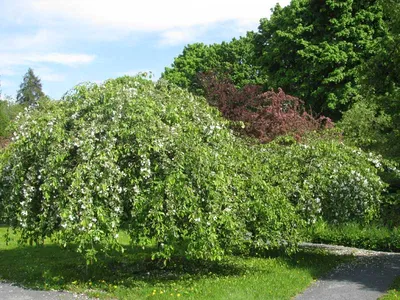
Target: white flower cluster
{"type": "Point", "coordinates": [145, 169]}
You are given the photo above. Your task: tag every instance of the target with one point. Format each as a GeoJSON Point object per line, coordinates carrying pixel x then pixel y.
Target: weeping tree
{"type": "Point", "coordinates": [148, 158]}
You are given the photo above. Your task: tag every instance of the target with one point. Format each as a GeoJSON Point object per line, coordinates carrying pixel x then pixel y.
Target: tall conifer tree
{"type": "Point", "coordinates": [30, 90]}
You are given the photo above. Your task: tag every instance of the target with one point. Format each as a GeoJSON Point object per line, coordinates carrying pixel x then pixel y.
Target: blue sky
{"type": "Point", "coordinates": [67, 42]}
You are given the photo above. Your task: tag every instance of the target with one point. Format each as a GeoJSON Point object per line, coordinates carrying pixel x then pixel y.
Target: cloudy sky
{"type": "Point", "coordinates": [67, 42]}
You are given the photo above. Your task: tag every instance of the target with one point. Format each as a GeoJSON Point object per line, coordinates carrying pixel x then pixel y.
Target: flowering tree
{"type": "Point", "coordinates": [326, 179]}
{"type": "Point", "coordinates": [145, 157]}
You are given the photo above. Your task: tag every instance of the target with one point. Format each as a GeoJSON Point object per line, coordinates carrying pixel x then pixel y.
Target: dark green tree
{"type": "Point", "coordinates": [195, 58]}
{"type": "Point", "coordinates": [380, 79]}
{"type": "Point", "coordinates": [312, 49]}
{"type": "Point", "coordinates": [234, 60]}
{"type": "Point", "coordinates": [30, 90]}
{"type": "Point", "coordinates": [381, 73]}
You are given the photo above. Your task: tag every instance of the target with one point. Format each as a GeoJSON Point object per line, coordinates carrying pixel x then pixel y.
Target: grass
{"type": "Point", "coordinates": [394, 291]}
{"type": "Point", "coordinates": [133, 275]}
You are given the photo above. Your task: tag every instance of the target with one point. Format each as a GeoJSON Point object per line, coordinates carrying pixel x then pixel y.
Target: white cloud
{"type": "Point", "coordinates": [42, 39]}
{"type": "Point", "coordinates": [36, 49]}
{"type": "Point", "coordinates": [47, 74]}
{"type": "Point", "coordinates": [8, 59]}
{"type": "Point", "coordinates": [6, 72]}
{"type": "Point", "coordinates": [70, 59]}
{"type": "Point", "coordinates": [155, 15]}
{"type": "Point", "coordinates": [175, 21]}
{"type": "Point", "coordinates": [181, 36]}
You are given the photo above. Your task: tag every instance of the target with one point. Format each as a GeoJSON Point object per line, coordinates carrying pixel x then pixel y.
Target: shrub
{"type": "Point", "coordinates": [390, 210]}
{"type": "Point", "coordinates": [148, 158]}
{"type": "Point", "coordinates": [8, 112]}
{"type": "Point", "coordinates": [265, 115]}
{"type": "Point", "coordinates": [4, 118]}
{"type": "Point", "coordinates": [368, 126]}
{"type": "Point", "coordinates": [325, 179]}
{"type": "Point", "coordinates": [373, 237]}
{"type": "Point", "coordinates": [365, 126]}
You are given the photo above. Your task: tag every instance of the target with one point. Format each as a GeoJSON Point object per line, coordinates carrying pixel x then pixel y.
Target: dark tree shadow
{"type": "Point", "coordinates": [50, 266]}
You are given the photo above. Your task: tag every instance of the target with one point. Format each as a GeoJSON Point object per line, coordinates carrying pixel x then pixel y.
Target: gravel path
{"type": "Point", "coordinates": [9, 291]}
{"type": "Point", "coordinates": [367, 278]}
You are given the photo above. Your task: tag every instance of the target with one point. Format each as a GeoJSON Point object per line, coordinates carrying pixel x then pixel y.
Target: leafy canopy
{"type": "Point", "coordinates": [234, 59]}
{"type": "Point", "coordinates": [380, 79]}
{"type": "Point", "coordinates": [312, 49]}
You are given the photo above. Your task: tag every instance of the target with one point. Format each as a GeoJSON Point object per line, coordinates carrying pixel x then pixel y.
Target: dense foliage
{"type": "Point", "coordinates": [148, 158]}
{"type": "Point", "coordinates": [4, 117]}
{"type": "Point", "coordinates": [30, 90]}
{"type": "Point", "coordinates": [325, 179]}
{"type": "Point", "coordinates": [373, 122]}
{"type": "Point", "coordinates": [380, 78]}
{"type": "Point", "coordinates": [265, 115]}
{"type": "Point", "coordinates": [312, 49]}
{"type": "Point", "coordinates": [372, 236]}
{"type": "Point", "coordinates": [158, 162]}
{"type": "Point", "coordinates": [8, 112]}
{"type": "Point", "coordinates": [234, 59]}
{"type": "Point", "coordinates": [366, 125]}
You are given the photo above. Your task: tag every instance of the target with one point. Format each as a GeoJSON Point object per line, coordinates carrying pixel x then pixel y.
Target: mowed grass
{"type": "Point", "coordinates": [394, 291]}
{"type": "Point", "coordinates": [133, 275]}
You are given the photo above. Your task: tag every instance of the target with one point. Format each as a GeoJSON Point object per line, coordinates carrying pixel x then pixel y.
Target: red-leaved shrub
{"type": "Point", "coordinates": [266, 115]}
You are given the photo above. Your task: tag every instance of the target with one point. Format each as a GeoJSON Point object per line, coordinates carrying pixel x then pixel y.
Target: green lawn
{"type": "Point", "coordinates": [394, 291]}
{"type": "Point", "coordinates": [133, 275]}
